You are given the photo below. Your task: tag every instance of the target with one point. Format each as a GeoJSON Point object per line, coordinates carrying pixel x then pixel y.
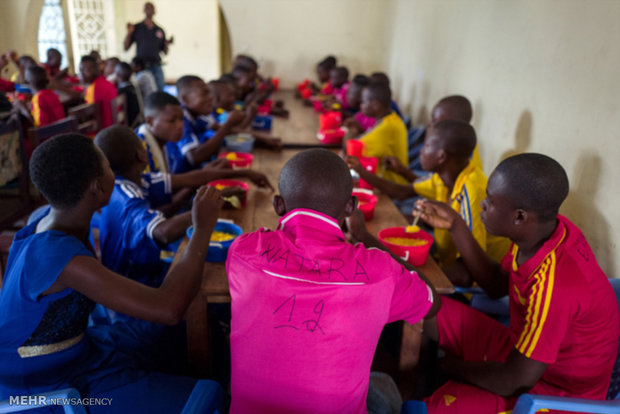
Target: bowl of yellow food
{"type": "Point", "coordinates": [413, 245]}
{"type": "Point", "coordinates": [224, 233]}
{"type": "Point", "coordinates": [237, 159]}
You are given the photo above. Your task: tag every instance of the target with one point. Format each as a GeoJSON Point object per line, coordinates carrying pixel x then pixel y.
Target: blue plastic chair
{"type": "Point", "coordinates": [206, 397]}
{"type": "Point", "coordinates": [530, 403]}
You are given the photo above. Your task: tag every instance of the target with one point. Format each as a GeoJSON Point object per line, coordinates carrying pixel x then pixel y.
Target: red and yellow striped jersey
{"type": "Point", "coordinates": [46, 108]}
{"type": "Point", "coordinates": [563, 312]}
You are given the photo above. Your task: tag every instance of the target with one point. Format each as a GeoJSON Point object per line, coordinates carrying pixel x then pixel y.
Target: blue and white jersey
{"type": "Point", "coordinates": [157, 188]}
{"type": "Point", "coordinates": [126, 234]}
{"type": "Point", "coordinates": [196, 130]}
{"type": "Point", "coordinates": [168, 159]}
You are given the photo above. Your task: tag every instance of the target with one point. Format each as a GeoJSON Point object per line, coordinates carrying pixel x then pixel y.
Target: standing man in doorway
{"type": "Point", "coordinates": [150, 40]}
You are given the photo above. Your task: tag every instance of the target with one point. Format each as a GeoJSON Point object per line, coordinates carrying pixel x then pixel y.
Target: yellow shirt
{"type": "Point", "coordinates": [387, 138]}
{"type": "Point", "coordinates": [468, 192]}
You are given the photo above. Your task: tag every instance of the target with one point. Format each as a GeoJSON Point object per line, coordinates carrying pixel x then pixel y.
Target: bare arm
{"type": "Point", "coordinates": [513, 377]}
{"type": "Point", "coordinates": [173, 228]}
{"type": "Point", "coordinates": [205, 150]}
{"type": "Point", "coordinates": [390, 188]}
{"type": "Point", "coordinates": [484, 270]}
{"type": "Point", "coordinates": [393, 164]}
{"type": "Point", "coordinates": [128, 37]}
{"type": "Point", "coordinates": [358, 230]}
{"type": "Point", "coordinates": [200, 177]}
{"type": "Point", "coordinates": [165, 304]}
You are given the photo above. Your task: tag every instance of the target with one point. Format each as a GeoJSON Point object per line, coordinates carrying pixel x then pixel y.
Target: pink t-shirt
{"type": "Point", "coordinates": [307, 312]}
{"type": "Point", "coordinates": [365, 121]}
{"type": "Point", "coordinates": [341, 94]}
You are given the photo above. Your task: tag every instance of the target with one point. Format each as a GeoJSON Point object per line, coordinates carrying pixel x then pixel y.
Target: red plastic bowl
{"type": "Point", "coordinates": [416, 255]}
{"type": "Point", "coordinates": [331, 136]}
{"type": "Point", "coordinates": [232, 183]}
{"type": "Point", "coordinates": [330, 120]}
{"type": "Point", "coordinates": [242, 160]}
{"type": "Point", "coordinates": [367, 202]}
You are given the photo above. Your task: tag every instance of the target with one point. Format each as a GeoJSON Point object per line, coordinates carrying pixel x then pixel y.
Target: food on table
{"type": "Point", "coordinates": [406, 241]}
{"type": "Point", "coordinates": [220, 236]}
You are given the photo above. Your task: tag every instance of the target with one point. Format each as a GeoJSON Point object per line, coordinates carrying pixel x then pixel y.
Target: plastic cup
{"type": "Point", "coordinates": [355, 147]}
{"type": "Point", "coordinates": [370, 165]}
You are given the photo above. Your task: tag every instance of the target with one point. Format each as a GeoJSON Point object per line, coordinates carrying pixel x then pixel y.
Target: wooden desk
{"type": "Point", "coordinates": [259, 212]}
{"type": "Point", "coordinates": [300, 129]}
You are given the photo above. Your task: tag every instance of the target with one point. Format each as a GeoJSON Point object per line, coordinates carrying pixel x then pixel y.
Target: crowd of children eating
{"type": "Point", "coordinates": [309, 299]}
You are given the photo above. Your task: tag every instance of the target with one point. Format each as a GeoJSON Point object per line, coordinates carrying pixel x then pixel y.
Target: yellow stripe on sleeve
{"type": "Point", "coordinates": [545, 310]}
{"type": "Point", "coordinates": [36, 110]}
{"type": "Point", "coordinates": [529, 314]}
{"type": "Point", "coordinates": [89, 97]}
{"type": "Point", "coordinates": [536, 314]}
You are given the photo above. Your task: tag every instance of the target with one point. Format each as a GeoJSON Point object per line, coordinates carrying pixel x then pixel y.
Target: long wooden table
{"type": "Point", "coordinates": [258, 213]}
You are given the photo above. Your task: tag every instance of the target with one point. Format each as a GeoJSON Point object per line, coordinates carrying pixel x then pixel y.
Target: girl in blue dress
{"type": "Point", "coordinates": [53, 279]}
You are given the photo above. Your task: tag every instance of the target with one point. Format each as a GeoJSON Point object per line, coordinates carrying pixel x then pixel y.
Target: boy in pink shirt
{"type": "Point", "coordinates": [307, 307]}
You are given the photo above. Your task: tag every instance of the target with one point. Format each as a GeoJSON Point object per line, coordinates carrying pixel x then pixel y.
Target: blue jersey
{"type": "Point", "coordinates": [126, 235]}
{"type": "Point", "coordinates": [167, 159]}
{"type": "Point", "coordinates": [157, 188]}
{"type": "Point", "coordinates": [45, 343]}
{"type": "Point", "coordinates": [33, 327]}
{"type": "Point", "coordinates": [396, 109]}
{"type": "Point", "coordinates": [196, 131]}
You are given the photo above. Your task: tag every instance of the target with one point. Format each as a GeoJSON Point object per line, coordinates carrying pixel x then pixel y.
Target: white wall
{"type": "Point", "coordinates": [542, 76]}
{"type": "Point", "coordinates": [15, 17]}
{"type": "Point", "coordinates": [194, 25]}
{"type": "Point", "coordinates": [288, 37]}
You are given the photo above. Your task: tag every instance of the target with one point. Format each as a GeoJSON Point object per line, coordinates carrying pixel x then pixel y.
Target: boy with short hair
{"type": "Point", "coordinates": [45, 106]}
{"type": "Point", "coordinates": [381, 77]}
{"type": "Point", "coordinates": [200, 143]}
{"type": "Point", "coordinates": [307, 307]}
{"type": "Point", "coordinates": [144, 78]}
{"type": "Point", "coordinates": [389, 135]}
{"type": "Point", "coordinates": [356, 122]}
{"type": "Point", "coordinates": [99, 90]}
{"type": "Point", "coordinates": [563, 334]}
{"type": "Point", "coordinates": [455, 107]}
{"type": "Point", "coordinates": [132, 233]}
{"type": "Point", "coordinates": [224, 96]}
{"type": "Point", "coordinates": [323, 69]}
{"type": "Point", "coordinates": [125, 87]}
{"type": "Point", "coordinates": [160, 133]}
{"type": "Point", "coordinates": [455, 180]}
